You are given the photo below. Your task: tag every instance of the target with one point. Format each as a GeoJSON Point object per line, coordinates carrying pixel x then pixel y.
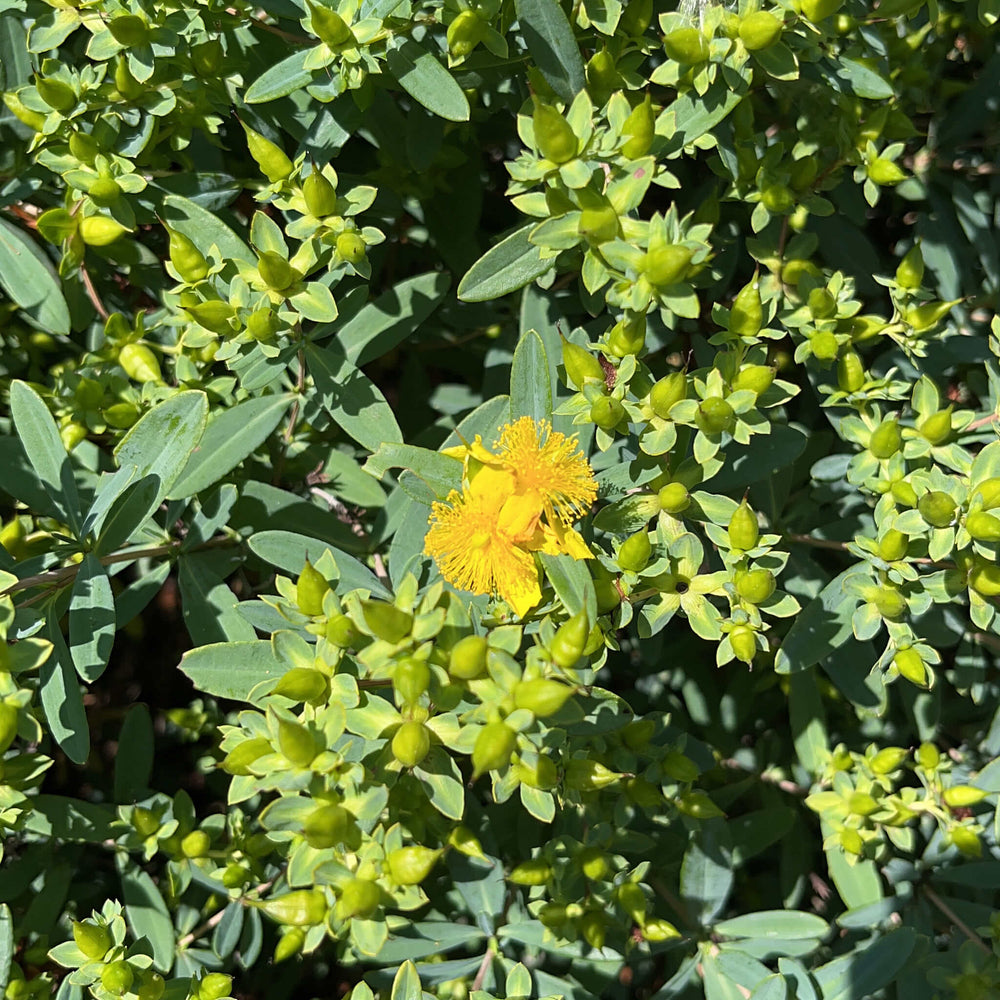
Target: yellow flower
{"type": "Point", "coordinates": [520, 500]}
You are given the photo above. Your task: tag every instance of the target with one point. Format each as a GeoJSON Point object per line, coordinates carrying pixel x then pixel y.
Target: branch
{"type": "Point", "coordinates": [956, 919]}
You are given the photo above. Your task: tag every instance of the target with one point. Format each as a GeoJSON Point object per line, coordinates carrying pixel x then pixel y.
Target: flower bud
{"type": "Point", "coordinates": [714, 416]}
{"type": "Point", "coordinates": [196, 844]}
{"type": "Point", "coordinates": [755, 586]}
{"type": "Point", "coordinates": [924, 317]}
{"type": "Point", "coordinates": [554, 136]}
{"type": "Point", "coordinates": [983, 527]}
{"type": "Point", "coordinates": [493, 747]}
{"type": "Point", "coordinates": [580, 364]}
{"type": "Point", "coordinates": [326, 826]}
{"type": "Point", "coordinates": [599, 223]}
{"type": "Point", "coordinates": [607, 413]}
{"type": "Point", "coordinates": [910, 665]}
{"type": "Point", "coordinates": [296, 743]}
{"type": "Point", "coordinates": [213, 314]}
{"type": "Point", "coordinates": [319, 194]}
{"type": "Point", "coordinates": [117, 977]}
{"type": "Point", "coordinates": [936, 429]}
{"type": "Point", "coordinates": [300, 908]}
{"type": "Point", "coordinates": [310, 589]}
{"type": "Point", "coordinates": [536, 871]}
{"type": "Point", "coordinates": [271, 159]}
{"type": "Point", "coordinates": [359, 897]}
{"type": "Point", "coordinates": [140, 363]}
{"type": "Point", "coordinates": [669, 390]}
{"type": "Point", "coordinates": [910, 273]}
{"type": "Point", "coordinates": [640, 127]}
{"type": "Point", "coordinates": [824, 345]}
{"type": "Point", "coordinates": [966, 841]}
{"type": "Point", "coordinates": [963, 796]}
{"type": "Point", "coordinates": [666, 265]}
{"type": "Point", "coordinates": [889, 603]}
{"type": "Point", "coordinates": [686, 45]}
{"type": "Point", "coordinates": [658, 929]}
{"type": "Point", "coordinates": [888, 759]}
{"type": "Point", "coordinates": [411, 677]}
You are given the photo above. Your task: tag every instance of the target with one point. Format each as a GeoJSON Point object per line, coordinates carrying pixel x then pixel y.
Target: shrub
{"type": "Point", "coordinates": [567, 432]}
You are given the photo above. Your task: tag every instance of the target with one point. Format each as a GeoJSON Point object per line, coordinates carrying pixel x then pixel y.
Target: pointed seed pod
{"type": "Point", "coordinates": [554, 136]}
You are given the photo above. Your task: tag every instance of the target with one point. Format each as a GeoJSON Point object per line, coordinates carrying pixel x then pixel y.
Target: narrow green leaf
{"type": "Point", "coordinates": [808, 719]}
{"type": "Point", "coordinates": [44, 448]}
{"type": "Point", "coordinates": [572, 582]}
{"type": "Point", "coordinates": [425, 79]}
{"type": "Point", "coordinates": [62, 701]}
{"type": "Point", "coordinates": [781, 924]}
{"type": "Point", "coordinates": [162, 441]}
{"type": "Point", "coordinates": [231, 669]}
{"type": "Point", "coordinates": [864, 971]}
{"type": "Point", "coordinates": [353, 401]}
{"type": "Point", "coordinates": [530, 384]}
{"type": "Point", "coordinates": [441, 473]}
{"type": "Point", "coordinates": [504, 268]}
{"type": "Point", "coordinates": [231, 436]}
{"type": "Point", "coordinates": [134, 759]}
{"type": "Point", "coordinates": [128, 513]}
{"type": "Point", "coordinates": [28, 277]}
{"type": "Point", "coordinates": [208, 604]}
{"type": "Point", "coordinates": [706, 870]}
{"type": "Point", "coordinates": [281, 79]}
{"type": "Point", "coordinates": [146, 912]}
{"type": "Point", "coordinates": [6, 939]}
{"type": "Point", "coordinates": [859, 884]}
{"type": "Point", "coordinates": [549, 37]}
{"type": "Point", "coordinates": [406, 985]}
{"type": "Point", "coordinates": [91, 619]}
{"type": "Point", "coordinates": [823, 625]}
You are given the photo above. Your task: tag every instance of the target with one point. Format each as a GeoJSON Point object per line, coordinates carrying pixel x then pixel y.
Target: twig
{"type": "Point", "coordinates": [956, 919]}
{"type": "Point", "coordinates": [827, 543]}
{"type": "Point", "coordinates": [214, 919]}
{"type": "Point", "coordinates": [484, 967]}
{"type": "Point", "coordinates": [985, 639]}
{"type": "Point", "coordinates": [65, 573]}
{"type": "Point", "coordinates": [784, 784]}
{"type": "Point", "coordinates": [982, 422]}
{"type": "Point", "coordinates": [95, 299]}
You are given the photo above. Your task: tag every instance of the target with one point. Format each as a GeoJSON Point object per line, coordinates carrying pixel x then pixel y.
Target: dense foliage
{"type": "Point", "coordinates": [557, 442]}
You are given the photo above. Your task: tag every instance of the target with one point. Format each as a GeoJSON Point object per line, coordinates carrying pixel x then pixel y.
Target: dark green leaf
{"type": "Point", "coordinates": [864, 971]}
{"type": "Point", "coordinates": [62, 700]}
{"type": "Point", "coordinates": [281, 79]}
{"type": "Point", "coordinates": [549, 37]}
{"type": "Point", "coordinates": [706, 871]}
{"type": "Point", "coordinates": [204, 229]}
{"type": "Point", "coordinates": [231, 669]}
{"type": "Point", "coordinates": [823, 625]}
{"type": "Point", "coordinates": [425, 79]}
{"type": "Point", "coordinates": [134, 758]}
{"type": "Point", "coordinates": [91, 619]}
{"type": "Point", "coordinates": [147, 913]}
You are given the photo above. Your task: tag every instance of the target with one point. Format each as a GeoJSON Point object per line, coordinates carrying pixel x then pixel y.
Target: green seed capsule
{"type": "Point", "coordinates": [100, 230]}
{"type": "Point", "coordinates": [910, 273]}
{"type": "Point", "coordinates": [544, 774]}
{"type": "Point", "coordinates": [411, 743]}
{"type": "Point", "coordinates": [33, 119]}
{"type": "Point", "coordinates": [627, 336]}
{"type": "Point", "coordinates": [599, 224]}
{"type": "Point", "coordinates": [636, 17]}
{"type": "Point", "coordinates": [360, 897]}
{"type": "Point", "coordinates": [824, 345]}
{"type": "Point", "coordinates": [120, 415]}
{"type": "Point", "coordinates": [910, 665]}
{"type": "Point", "coordinates": [936, 429]}
{"type": "Point", "coordinates": [319, 194]}
{"type": "Point", "coordinates": [351, 247]}
{"type": "Point", "coordinates": [743, 529]}
{"type": "Point", "coordinates": [850, 372]}
{"type": "Point", "coordinates": [536, 871]}
{"type": "Point", "coordinates": [984, 578]}
{"type": "Point", "coordinates": [886, 439]}
{"type": "Point", "coordinates": [57, 94]}
{"type": "Point", "coordinates": [567, 644]}
{"type": "Point", "coordinates": [239, 759]}
{"type": "Point", "coordinates": [603, 78]}
{"type": "Point", "coordinates": [117, 977]}
{"type": "Point", "coordinates": [262, 324]}
{"type": "Point", "coordinates": [297, 743]}
{"type": "Point", "coordinates": [411, 865]}
{"type": "Point", "coordinates": [885, 172]}
{"type": "Point", "coordinates": [493, 747]}
{"type": "Point", "coordinates": [670, 389]}
{"type": "Point", "coordinates": [580, 364]}
{"type": "Point", "coordinates": [125, 83]}
{"type": "Point", "coordinates": [760, 30]}
{"type": "Point", "coordinates": [588, 775]}
{"type": "Point", "coordinates": [757, 378]}
{"type": "Point", "coordinates": [467, 659]}
{"type": "Point", "coordinates": [152, 986]}
{"type": "Point", "coordinates": [328, 26]}
{"type": "Point", "coordinates": [303, 684]}
{"type": "Point", "coordinates": [893, 545]}
{"type": "Point", "coordinates": [903, 493]}
{"type": "Point", "coordinates": [756, 586]}
{"type": "Point", "coordinates": [983, 527]}
{"type": "Point", "coordinates": [411, 678]}
{"type": "Point", "coordinates": [818, 10]}
{"type": "Point", "coordinates": [989, 491]}
{"type": "Point", "coordinates": [140, 363]}
{"type": "Point", "coordinates": [924, 317]}
{"type": "Point", "coordinates": [310, 589]}
{"type": "Point", "coordinates": [632, 900]}
{"type": "Point", "coordinates": [289, 944]}
{"type": "Point", "coordinates": [822, 305]}
{"type": "Point", "coordinates": [271, 159]}
{"type": "Point", "coordinates": [105, 191]}
{"type": "Point", "coordinates": [640, 128]}
{"type": "Point", "coordinates": [593, 863]}
{"type": "Point", "coordinates": [275, 271]}
{"type": "Point", "coordinates": [213, 314]}
{"type": "Point", "coordinates": [889, 603]}
{"type": "Point", "coordinates": [607, 413]}
{"type": "Point", "coordinates": [215, 986]}
{"type": "Point", "coordinates": [542, 697]}
{"type": "Point", "coordinates": [937, 508]}
{"type": "Point", "coordinates": [667, 264]}
{"type": "Point", "coordinates": [301, 908]}
{"type": "Point", "coordinates": [327, 826]}
{"type": "Point", "coordinates": [386, 621]}
{"type": "Point", "coordinates": [746, 317]}
{"type": "Point", "coordinates": [714, 416]}
{"type": "Point", "coordinates": [465, 33]}
{"type": "Point", "coordinates": [196, 844]}
{"type": "Point", "coordinates": [129, 30]}
{"type": "Point", "coordinates": [963, 796]}
{"type": "Point", "coordinates": [635, 552]}
{"type": "Point", "coordinates": [92, 939]}
{"type": "Point", "coordinates": [674, 498]}
{"type": "Point", "coordinates": [686, 45]}
{"type": "Point", "coordinates": [744, 643]}
{"type": "Point", "coordinates": [554, 136]}
{"type": "Point", "coordinates": [189, 262]}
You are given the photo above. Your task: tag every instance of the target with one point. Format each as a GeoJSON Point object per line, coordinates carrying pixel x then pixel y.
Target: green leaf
{"type": "Point", "coordinates": [62, 701]}
{"type": "Point", "coordinates": [426, 937]}
{"type": "Point", "coordinates": [354, 402]}
{"type": "Point", "coordinates": [62, 818]}
{"type": "Point", "coordinates": [773, 987]}
{"type": "Point", "coordinates": [147, 913]}
{"type": "Point", "coordinates": [231, 436]}
{"type": "Point", "coordinates": [380, 325]}
{"type": "Point", "coordinates": [756, 831]}
{"type": "Point", "coordinates": [572, 582]}
{"type": "Point", "coordinates": [28, 277]}
{"type": "Point", "coordinates": [231, 669]}
{"type": "Point", "coordinates": [6, 940]}
{"type": "Point", "coordinates": [441, 473]}
{"type": "Point", "coordinates": [406, 985]}
{"type": "Point", "coordinates": [44, 448]}
{"type": "Point", "coordinates": [629, 515]}
{"type": "Point", "coordinates": [695, 115]}
{"type": "Point", "coordinates": [426, 80]}
{"type": "Point", "coordinates": [204, 229]}
{"type": "Point", "coordinates": [859, 884]}
{"type": "Point", "coordinates": [860, 80]}
{"type": "Point", "coordinates": [864, 971]}
{"type": "Point", "coordinates": [442, 780]}
{"type": "Point", "coordinates": [706, 871]}
{"type": "Point", "coordinates": [778, 924]}
{"type": "Point", "coordinates": [128, 512]}
{"type": "Point", "coordinates": [530, 385]}
{"type": "Point", "coordinates": [208, 603]}
{"type": "Point", "coordinates": [281, 79]}
{"type": "Point", "coordinates": [808, 719]}
{"type": "Point", "coordinates": [134, 757]}
{"type": "Point", "coordinates": [504, 268]}
{"type": "Point", "coordinates": [481, 886]}
{"type": "Point", "coordinates": [823, 625]}
{"type": "Point", "coordinates": [162, 441]}
{"type": "Point", "coordinates": [549, 37]}
{"type": "Point", "coordinates": [91, 619]}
